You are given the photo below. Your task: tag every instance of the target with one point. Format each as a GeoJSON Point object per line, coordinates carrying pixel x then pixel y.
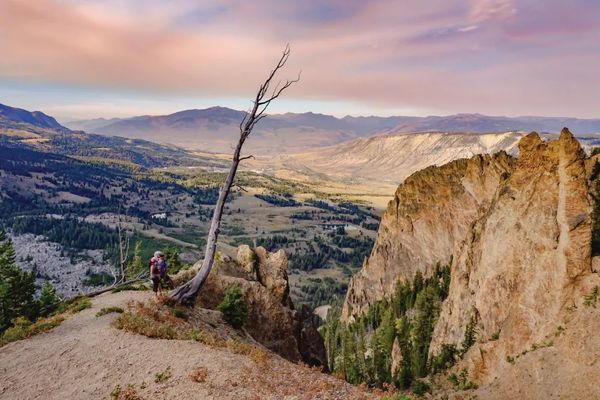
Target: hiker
{"type": "Point", "coordinates": [155, 276]}
{"type": "Point", "coordinates": [159, 260]}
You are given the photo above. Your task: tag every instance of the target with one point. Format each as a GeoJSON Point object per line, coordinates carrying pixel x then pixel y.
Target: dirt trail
{"type": "Point", "coordinates": [85, 358]}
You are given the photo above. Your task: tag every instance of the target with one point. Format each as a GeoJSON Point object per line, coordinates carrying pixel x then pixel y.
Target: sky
{"type": "Point", "coordinates": [77, 59]}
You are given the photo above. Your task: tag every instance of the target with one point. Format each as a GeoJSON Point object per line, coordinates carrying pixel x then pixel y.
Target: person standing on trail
{"type": "Point", "coordinates": [163, 267]}
{"type": "Point", "coordinates": [155, 274]}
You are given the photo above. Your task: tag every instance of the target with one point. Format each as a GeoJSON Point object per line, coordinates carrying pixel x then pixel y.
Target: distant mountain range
{"type": "Point", "coordinates": [36, 130]}
{"type": "Point", "coordinates": [216, 129]}
{"type": "Point", "coordinates": [363, 148]}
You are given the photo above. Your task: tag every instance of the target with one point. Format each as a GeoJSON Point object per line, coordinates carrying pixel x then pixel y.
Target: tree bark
{"type": "Point", "coordinates": [186, 294]}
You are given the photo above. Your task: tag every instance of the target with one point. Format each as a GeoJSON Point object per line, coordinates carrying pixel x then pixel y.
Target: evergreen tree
{"type": "Point", "coordinates": [428, 308]}
{"type": "Point", "coordinates": [350, 362]}
{"type": "Point", "coordinates": [49, 300]}
{"type": "Point", "coordinates": [172, 259]}
{"type": "Point", "coordinates": [136, 266]}
{"type": "Point", "coordinates": [16, 287]}
{"type": "Point", "coordinates": [404, 375]}
{"type": "Point", "coordinates": [384, 342]}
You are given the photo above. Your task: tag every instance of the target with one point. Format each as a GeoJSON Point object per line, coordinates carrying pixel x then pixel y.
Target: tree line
{"type": "Point", "coordinates": [361, 351]}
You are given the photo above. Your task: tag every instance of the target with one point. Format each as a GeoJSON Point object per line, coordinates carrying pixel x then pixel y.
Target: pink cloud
{"type": "Point", "coordinates": [480, 56]}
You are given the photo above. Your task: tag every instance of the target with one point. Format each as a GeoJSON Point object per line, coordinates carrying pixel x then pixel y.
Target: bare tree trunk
{"type": "Point", "coordinates": [186, 294]}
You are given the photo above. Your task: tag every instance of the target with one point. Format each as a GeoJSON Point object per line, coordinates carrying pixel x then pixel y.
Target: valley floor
{"type": "Point", "coordinates": [86, 358]}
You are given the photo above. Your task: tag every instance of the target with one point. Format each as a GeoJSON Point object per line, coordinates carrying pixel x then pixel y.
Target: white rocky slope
{"type": "Point", "coordinates": [51, 263]}
{"type": "Point", "coordinates": [391, 158]}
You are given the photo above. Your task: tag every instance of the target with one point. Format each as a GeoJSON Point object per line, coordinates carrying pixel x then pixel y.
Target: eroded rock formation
{"type": "Point", "coordinates": [519, 236]}
{"type": "Point", "coordinates": [272, 320]}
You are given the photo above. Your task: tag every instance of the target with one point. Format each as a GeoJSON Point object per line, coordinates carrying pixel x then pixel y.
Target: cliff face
{"type": "Point", "coordinates": [431, 211]}
{"type": "Point", "coordinates": [519, 233]}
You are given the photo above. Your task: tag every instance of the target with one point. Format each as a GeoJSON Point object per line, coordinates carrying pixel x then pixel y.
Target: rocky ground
{"type": "Point", "coordinates": [86, 358]}
{"type": "Point", "coordinates": [52, 264]}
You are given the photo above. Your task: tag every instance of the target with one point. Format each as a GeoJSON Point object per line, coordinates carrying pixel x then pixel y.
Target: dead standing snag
{"type": "Point", "coordinates": [186, 294]}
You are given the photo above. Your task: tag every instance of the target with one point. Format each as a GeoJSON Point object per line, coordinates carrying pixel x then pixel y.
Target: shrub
{"type": "Point", "coordinates": [199, 375]}
{"type": "Point", "coordinates": [461, 382]}
{"type": "Point", "coordinates": [420, 388]}
{"type": "Point", "coordinates": [445, 359]}
{"type": "Point", "coordinates": [495, 335]}
{"type": "Point", "coordinates": [75, 305]}
{"type": "Point", "coordinates": [129, 393]}
{"type": "Point", "coordinates": [179, 313]}
{"type": "Point", "coordinates": [163, 376]}
{"type": "Point", "coordinates": [108, 310]}
{"type": "Point", "coordinates": [152, 322]}
{"type": "Point", "coordinates": [23, 328]}
{"type": "Point", "coordinates": [590, 299]}
{"type": "Point", "coordinates": [234, 307]}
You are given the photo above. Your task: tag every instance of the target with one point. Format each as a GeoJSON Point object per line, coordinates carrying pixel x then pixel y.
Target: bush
{"type": "Point", "coordinates": [108, 310]}
{"type": "Point", "coordinates": [199, 375]}
{"type": "Point", "coordinates": [179, 313]}
{"type": "Point", "coordinates": [234, 307]}
{"type": "Point", "coordinates": [23, 328]}
{"type": "Point", "coordinates": [163, 376]}
{"type": "Point", "coordinates": [153, 322]}
{"type": "Point", "coordinates": [420, 388]}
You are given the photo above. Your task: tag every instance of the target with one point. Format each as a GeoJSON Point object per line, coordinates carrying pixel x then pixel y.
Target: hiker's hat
{"type": "Point", "coordinates": [158, 254]}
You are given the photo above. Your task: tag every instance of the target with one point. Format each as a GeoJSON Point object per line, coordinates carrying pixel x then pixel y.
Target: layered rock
{"type": "Point", "coordinates": [272, 320]}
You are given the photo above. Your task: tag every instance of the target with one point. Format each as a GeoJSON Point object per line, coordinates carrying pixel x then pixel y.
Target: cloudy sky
{"type": "Point", "coordinates": [90, 58]}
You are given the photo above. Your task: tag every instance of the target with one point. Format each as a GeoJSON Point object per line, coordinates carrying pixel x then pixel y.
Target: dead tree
{"type": "Point", "coordinates": [123, 252]}
{"type": "Point", "coordinates": [186, 294]}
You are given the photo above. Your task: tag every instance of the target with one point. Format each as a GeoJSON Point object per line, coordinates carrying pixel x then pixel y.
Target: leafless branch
{"type": "Point", "coordinates": [187, 293]}
{"type": "Point", "coordinates": [246, 158]}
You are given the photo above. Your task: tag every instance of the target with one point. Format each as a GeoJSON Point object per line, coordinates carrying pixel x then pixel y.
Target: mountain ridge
{"type": "Point", "coordinates": [215, 128]}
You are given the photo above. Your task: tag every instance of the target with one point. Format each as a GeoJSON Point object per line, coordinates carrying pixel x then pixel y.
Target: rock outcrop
{"type": "Point", "coordinates": [519, 236]}
{"type": "Point", "coordinates": [431, 212]}
{"type": "Point", "coordinates": [272, 320]}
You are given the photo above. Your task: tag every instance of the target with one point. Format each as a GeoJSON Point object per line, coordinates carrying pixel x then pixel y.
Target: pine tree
{"type": "Point", "coordinates": [16, 287]}
{"type": "Point", "coordinates": [350, 362]}
{"type": "Point", "coordinates": [136, 266]}
{"type": "Point", "coordinates": [384, 342]}
{"type": "Point", "coordinates": [49, 300]}
{"type": "Point", "coordinates": [172, 259]}
{"type": "Point", "coordinates": [428, 308]}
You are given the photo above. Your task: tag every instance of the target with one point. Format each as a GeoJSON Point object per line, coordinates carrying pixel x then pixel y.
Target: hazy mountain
{"type": "Point", "coordinates": [482, 123]}
{"type": "Point", "coordinates": [391, 158]}
{"type": "Point", "coordinates": [36, 130]}
{"type": "Point", "coordinates": [15, 116]}
{"type": "Point", "coordinates": [216, 128]}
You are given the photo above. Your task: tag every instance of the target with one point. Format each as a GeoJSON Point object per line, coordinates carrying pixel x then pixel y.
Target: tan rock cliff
{"type": "Point", "coordinates": [431, 211]}
{"type": "Point", "coordinates": [519, 233]}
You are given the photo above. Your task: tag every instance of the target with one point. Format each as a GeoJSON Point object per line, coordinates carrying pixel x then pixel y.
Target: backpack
{"type": "Point", "coordinates": [154, 269]}
{"type": "Point", "coordinates": [162, 267]}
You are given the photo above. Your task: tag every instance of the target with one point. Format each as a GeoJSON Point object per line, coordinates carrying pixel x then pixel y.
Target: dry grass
{"type": "Point", "coordinates": [129, 393]}
{"type": "Point", "coordinates": [199, 375]}
{"type": "Point", "coordinates": [23, 328]}
{"type": "Point", "coordinates": [108, 310]}
{"type": "Point", "coordinates": [159, 321]}
{"type": "Point", "coordinates": [154, 321]}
